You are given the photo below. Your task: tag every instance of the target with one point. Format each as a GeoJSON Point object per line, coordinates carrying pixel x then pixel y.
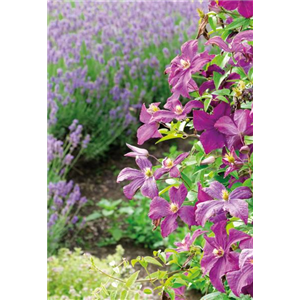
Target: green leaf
{"type": "Point", "coordinates": [152, 261]}
{"type": "Point", "coordinates": [225, 92]}
{"type": "Point", "coordinates": [173, 135]}
{"type": "Point", "coordinates": [222, 98]}
{"type": "Point", "coordinates": [147, 291]}
{"type": "Point", "coordinates": [212, 20]}
{"type": "Point", "coordinates": [248, 140]}
{"type": "Point", "coordinates": [207, 103]}
{"type": "Point", "coordinates": [131, 280]}
{"type": "Point", "coordinates": [211, 296]}
{"type": "Point", "coordinates": [186, 179]}
{"type": "Point", "coordinates": [123, 295]}
{"type": "Point", "coordinates": [116, 233]}
{"type": "Point", "coordinates": [236, 23]}
{"type": "Point", "coordinates": [94, 216]}
{"type": "Point", "coordinates": [171, 294]}
{"type": "Point", "coordinates": [217, 77]}
{"type": "Point", "coordinates": [167, 188]}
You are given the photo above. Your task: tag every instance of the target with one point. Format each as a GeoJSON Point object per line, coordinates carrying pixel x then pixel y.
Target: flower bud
{"type": "Point", "coordinates": [207, 161]}
{"type": "Point", "coordinates": [245, 150]}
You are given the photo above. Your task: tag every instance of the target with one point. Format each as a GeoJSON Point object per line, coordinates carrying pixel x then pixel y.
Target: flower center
{"type": "Point", "coordinates": [225, 195]}
{"type": "Point", "coordinates": [174, 208]}
{"type": "Point", "coordinates": [218, 252]}
{"type": "Point", "coordinates": [178, 109]}
{"type": "Point", "coordinates": [185, 64]}
{"type": "Point", "coordinates": [168, 163]}
{"type": "Point", "coordinates": [148, 172]}
{"type": "Point", "coordinates": [251, 261]}
{"type": "Point", "coordinates": [153, 108]}
{"type": "Point", "coordinates": [230, 158]}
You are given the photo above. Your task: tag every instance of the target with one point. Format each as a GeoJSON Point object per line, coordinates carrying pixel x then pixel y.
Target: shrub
{"type": "Point", "coordinates": [70, 275]}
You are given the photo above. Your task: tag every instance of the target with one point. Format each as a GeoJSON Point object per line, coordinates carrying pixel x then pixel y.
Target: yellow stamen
{"type": "Point", "coordinates": [168, 163]}
{"type": "Point", "coordinates": [148, 172]}
{"type": "Point", "coordinates": [178, 109]}
{"type": "Point", "coordinates": [230, 158]}
{"type": "Point", "coordinates": [174, 208]}
{"type": "Point", "coordinates": [185, 64]}
{"type": "Point", "coordinates": [218, 252]}
{"type": "Point", "coordinates": [225, 195]}
{"type": "Point", "coordinates": [153, 108]}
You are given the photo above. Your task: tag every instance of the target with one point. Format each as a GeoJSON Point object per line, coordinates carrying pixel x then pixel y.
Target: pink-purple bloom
{"type": "Point", "coordinates": [211, 138]}
{"type": "Point", "coordinates": [160, 208]}
{"type": "Point", "coordinates": [243, 281]}
{"type": "Point", "coordinates": [218, 258]}
{"type": "Point", "coordinates": [143, 179]}
{"type": "Point", "coordinates": [236, 128]}
{"type": "Point", "coordinates": [176, 110]}
{"type": "Point", "coordinates": [184, 65]}
{"type": "Point", "coordinates": [136, 151]}
{"type": "Point", "coordinates": [230, 202]}
{"type": "Point", "coordinates": [232, 161]}
{"type": "Point", "coordinates": [244, 7]}
{"type": "Point", "coordinates": [171, 166]}
{"type": "Point", "coordinates": [150, 128]}
{"type": "Point", "coordinates": [188, 241]}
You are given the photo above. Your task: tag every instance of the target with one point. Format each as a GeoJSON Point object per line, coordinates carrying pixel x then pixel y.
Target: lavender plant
{"type": "Point", "coordinates": [64, 204]}
{"type": "Point", "coordinates": [210, 187]}
{"type": "Point", "coordinates": [101, 68]}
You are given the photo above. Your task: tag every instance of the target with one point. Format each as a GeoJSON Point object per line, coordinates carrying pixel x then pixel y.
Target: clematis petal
{"type": "Point", "coordinates": [146, 132]}
{"type": "Point", "coordinates": [245, 8]}
{"type": "Point", "coordinates": [226, 126]}
{"type": "Point", "coordinates": [181, 85]}
{"type": "Point", "coordinates": [206, 210]}
{"type": "Point", "coordinates": [174, 172]}
{"type": "Point", "coordinates": [211, 140]}
{"type": "Point", "coordinates": [202, 196]}
{"type": "Point", "coordinates": [209, 259]}
{"type": "Point", "coordinates": [178, 195]}
{"type": "Point", "coordinates": [181, 157]}
{"type": "Point", "coordinates": [216, 273]}
{"type": "Point", "coordinates": [129, 174]}
{"type": "Point", "coordinates": [163, 116]}
{"type": "Point", "coordinates": [241, 192]}
{"type": "Point", "coordinates": [187, 215]}
{"type": "Point", "coordinates": [159, 208]}
{"type": "Point", "coordinates": [247, 244]}
{"type": "Point", "coordinates": [236, 236]}
{"type": "Point", "coordinates": [237, 208]}
{"type": "Point", "coordinates": [202, 120]}
{"type": "Point", "coordinates": [189, 49]}
{"type": "Point", "coordinates": [206, 85]}
{"type": "Point", "coordinates": [149, 188]}
{"type": "Point", "coordinates": [229, 4]}
{"type": "Point", "coordinates": [245, 257]}
{"type": "Point", "coordinates": [192, 104]}
{"type": "Point", "coordinates": [220, 232]}
{"type": "Point", "coordinates": [168, 225]}
{"type": "Point", "coordinates": [226, 84]}
{"type": "Point", "coordinates": [196, 233]}
{"type": "Point", "coordinates": [200, 60]}
{"type": "Point", "coordinates": [130, 189]}
{"type": "Point", "coordinates": [145, 116]}
{"type": "Point", "coordinates": [143, 162]}
{"type": "Point", "coordinates": [136, 151]}
{"type": "Point", "coordinates": [215, 190]}
{"type": "Point", "coordinates": [218, 41]}
{"type": "Point", "coordinates": [160, 172]}
{"type": "Point", "coordinates": [223, 109]}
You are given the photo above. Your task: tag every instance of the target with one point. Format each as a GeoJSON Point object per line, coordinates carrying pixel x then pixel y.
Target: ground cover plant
{"type": "Point", "coordinates": [208, 189]}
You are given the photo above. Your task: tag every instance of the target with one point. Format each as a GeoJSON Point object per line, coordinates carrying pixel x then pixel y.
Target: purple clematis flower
{"type": "Point", "coordinates": [244, 7]}
{"type": "Point", "coordinates": [233, 161]}
{"type": "Point", "coordinates": [136, 151]}
{"type": "Point", "coordinates": [203, 197]}
{"type": "Point", "coordinates": [218, 258]}
{"type": "Point", "coordinates": [230, 202]}
{"type": "Point", "coordinates": [241, 281]}
{"type": "Point", "coordinates": [183, 66]}
{"type": "Point", "coordinates": [176, 110]}
{"type": "Point", "coordinates": [150, 128]}
{"type": "Point", "coordinates": [235, 129]}
{"type": "Point", "coordinates": [243, 52]}
{"type": "Point", "coordinates": [211, 138]}
{"type": "Point", "coordinates": [160, 208]}
{"type": "Point", "coordinates": [169, 165]}
{"type": "Point", "coordinates": [187, 242]}
{"type": "Point", "coordinates": [143, 179]}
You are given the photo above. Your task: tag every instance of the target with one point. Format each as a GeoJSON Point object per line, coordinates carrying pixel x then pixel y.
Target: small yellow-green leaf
{"type": "Point", "coordinates": [152, 260]}
{"type": "Point", "coordinates": [131, 280]}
